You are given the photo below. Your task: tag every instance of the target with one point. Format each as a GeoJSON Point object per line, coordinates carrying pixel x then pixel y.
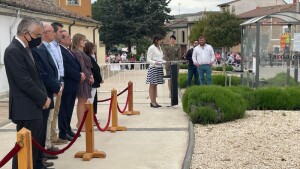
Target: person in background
{"type": "Point", "coordinates": [203, 58]}
{"type": "Point", "coordinates": [218, 58]}
{"type": "Point", "coordinates": [155, 71]}
{"type": "Point", "coordinates": [73, 76]}
{"type": "Point", "coordinates": [172, 52]}
{"type": "Point", "coordinates": [90, 50]}
{"type": "Point", "coordinates": [142, 60]}
{"type": "Point", "coordinates": [132, 60]}
{"type": "Point", "coordinates": [192, 70]}
{"type": "Point", "coordinates": [84, 91]}
{"type": "Point", "coordinates": [27, 94]}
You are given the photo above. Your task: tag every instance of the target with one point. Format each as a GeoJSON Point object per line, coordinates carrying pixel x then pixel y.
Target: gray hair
{"type": "Point", "coordinates": [26, 25]}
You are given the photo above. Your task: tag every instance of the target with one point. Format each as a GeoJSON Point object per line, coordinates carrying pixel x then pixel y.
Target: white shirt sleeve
{"type": "Point", "coordinates": [194, 56]}
{"type": "Point", "coordinates": [150, 55]}
{"type": "Point", "coordinates": [212, 54]}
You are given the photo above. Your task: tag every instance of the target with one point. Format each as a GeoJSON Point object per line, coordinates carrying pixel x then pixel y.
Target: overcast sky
{"type": "Point", "coordinates": [192, 6]}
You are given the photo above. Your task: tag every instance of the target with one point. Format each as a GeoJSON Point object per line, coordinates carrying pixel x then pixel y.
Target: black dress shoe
{"type": "Point", "coordinates": [68, 137]}
{"type": "Point", "coordinates": [154, 106]}
{"type": "Point", "coordinates": [49, 156]}
{"type": "Point", "coordinates": [72, 134]}
{"type": "Point", "coordinates": [53, 148]}
{"type": "Point", "coordinates": [158, 105]}
{"type": "Point", "coordinates": [47, 164]}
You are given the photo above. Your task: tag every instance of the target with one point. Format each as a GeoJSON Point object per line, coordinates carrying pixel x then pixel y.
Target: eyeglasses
{"type": "Point", "coordinates": [36, 34]}
{"type": "Point", "coordinates": [49, 31]}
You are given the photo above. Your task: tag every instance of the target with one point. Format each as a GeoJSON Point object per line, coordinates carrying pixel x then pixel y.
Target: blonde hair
{"type": "Point", "coordinates": [76, 40]}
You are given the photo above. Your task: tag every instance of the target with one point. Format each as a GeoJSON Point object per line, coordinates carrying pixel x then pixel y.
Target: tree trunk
{"type": "Point", "coordinates": [129, 47]}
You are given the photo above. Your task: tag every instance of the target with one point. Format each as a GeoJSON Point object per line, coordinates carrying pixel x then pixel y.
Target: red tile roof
{"type": "Point", "coordinates": [261, 11]}
{"type": "Point", "coordinates": [44, 7]}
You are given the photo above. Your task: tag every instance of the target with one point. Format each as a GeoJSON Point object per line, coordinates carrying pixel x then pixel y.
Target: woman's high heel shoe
{"type": "Point", "coordinates": [158, 105]}
{"type": "Point", "coordinates": [154, 106]}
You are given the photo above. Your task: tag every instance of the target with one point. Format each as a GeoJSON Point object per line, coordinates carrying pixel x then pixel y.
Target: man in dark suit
{"type": "Point", "coordinates": [27, 94]}
{"type": "Point", "coordinates": [73, 76]}
{"type": "Point", "coordinates": [49, 75]}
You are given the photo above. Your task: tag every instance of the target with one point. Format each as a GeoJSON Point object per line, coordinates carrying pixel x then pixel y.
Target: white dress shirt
{"type": "Point", "coordinates": [58, 57]}
{"type": "Point", "coordinates": [155, 54]}
{"type": "Point", "coordinates": [203, 55]}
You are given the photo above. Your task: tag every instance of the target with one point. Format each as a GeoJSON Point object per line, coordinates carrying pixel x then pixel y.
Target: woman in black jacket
{"type": "Point", "coordinates": [90, 50]}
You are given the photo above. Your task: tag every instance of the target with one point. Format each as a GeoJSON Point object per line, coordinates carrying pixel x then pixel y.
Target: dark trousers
{"type": "Point", "coordinates": [95, 103]}
{"type": "Point", "coordinates": [43, 137]}
{"type": "Point", "coordinates": [65, 114]}
{"type": "Point", "coordinates": [35, 127]}
{"type": "Point", "coordinates": [192, 71]}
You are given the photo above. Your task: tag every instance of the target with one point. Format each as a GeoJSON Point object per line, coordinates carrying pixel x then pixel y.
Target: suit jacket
{"type": "Point", "coordinates": [27, 94]}
{"type": "Point", "coordinates": [48, 71]}
{"type": "Point", "coordinates": [72, 71]}
{"type": "Point", "coordinates": [96, 73]}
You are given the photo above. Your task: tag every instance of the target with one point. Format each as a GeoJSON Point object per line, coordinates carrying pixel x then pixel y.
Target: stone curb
{"type": "Point", "coordinates": [191, 144]}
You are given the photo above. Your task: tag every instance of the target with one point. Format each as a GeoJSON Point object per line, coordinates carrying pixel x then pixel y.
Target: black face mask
{"type": "Point", "coordinates": [34, 42]}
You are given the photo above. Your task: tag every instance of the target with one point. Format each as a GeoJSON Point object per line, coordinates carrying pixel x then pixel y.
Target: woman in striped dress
{"type": "Point", "coordinates": [155, 71]}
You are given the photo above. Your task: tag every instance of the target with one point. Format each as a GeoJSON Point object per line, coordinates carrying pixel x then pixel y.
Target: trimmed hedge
{"type": "Point", "coordinates": [220, 68]}
{"type": "Point", "coordinates": [216, 80]}
{"type": "Point", "coordinates": [216, 104]}
{"type": "Point", "coordinates": [184, 66]}
{"type": "Point", "coordinates": [279, 80]}
{"type": "Point", "coordinates": [213, 104]}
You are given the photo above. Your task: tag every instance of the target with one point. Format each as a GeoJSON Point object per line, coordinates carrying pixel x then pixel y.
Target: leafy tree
{"type": "Point", "coordinates": [197, 30]}
{"type": "Point", "coordinates": [125, 22]}
{"type": "Point", "coordinates": [220, 29]}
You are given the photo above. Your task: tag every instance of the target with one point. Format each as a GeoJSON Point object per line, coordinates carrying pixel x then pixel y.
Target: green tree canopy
{"type": "Point", "coordinates": [220, 29]}
{"type": "Point", "coordinates": [126, 22]}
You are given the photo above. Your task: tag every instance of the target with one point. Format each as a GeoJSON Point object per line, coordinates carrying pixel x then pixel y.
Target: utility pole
{"type": "Point", "coordinates": [297, 6]}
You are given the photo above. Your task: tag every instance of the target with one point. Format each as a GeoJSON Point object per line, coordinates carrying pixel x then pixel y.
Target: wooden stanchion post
{"type": "Point", "coordinates": [114, 112]}
{"type": "Point", "coordinates": [130, 101]}
{"type": "Point", "coordinates": [25, 154]}
{"type": "Point", "coordinates": [89, 137]}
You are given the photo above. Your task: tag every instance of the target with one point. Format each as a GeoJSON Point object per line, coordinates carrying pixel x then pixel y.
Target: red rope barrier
{"type": "Point", "coordinates": [122, 91]}
{"type": "Point", "coordinates": [68, 146]}
{"type": "Point", "coordinates": [108, 121]}
{"type": "Point", "coordinates": [10, 154]}
{"type": "Point", "coordinates": [126, 104]}
{"type": "Point", "coordinates": [104, 100]}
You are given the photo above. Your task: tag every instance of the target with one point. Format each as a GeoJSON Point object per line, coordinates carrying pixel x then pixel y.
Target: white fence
{"type": "Point", "coordinates": [117, 75]}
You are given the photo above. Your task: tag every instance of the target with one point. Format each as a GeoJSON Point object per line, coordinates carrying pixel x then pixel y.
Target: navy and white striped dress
{"type": "Point", "coordinates": [155, 71]}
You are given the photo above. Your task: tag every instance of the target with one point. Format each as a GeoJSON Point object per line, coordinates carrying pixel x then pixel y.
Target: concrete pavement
{"type": "Point", "coordinates": [156, 139]}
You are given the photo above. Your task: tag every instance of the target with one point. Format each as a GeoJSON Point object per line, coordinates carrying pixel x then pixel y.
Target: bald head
{"type": "Point", "coordinates": [49, 34]}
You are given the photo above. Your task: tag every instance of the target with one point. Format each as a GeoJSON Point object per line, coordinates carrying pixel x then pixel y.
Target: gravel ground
{"type": "Point", "coordinates": [263, 139]}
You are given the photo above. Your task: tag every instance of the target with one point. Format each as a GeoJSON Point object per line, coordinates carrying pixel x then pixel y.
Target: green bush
{"type": "Point", "coordinates": [182, 79]}
{"type": "Point", "coordinates": [294, 96]}
{"type": "Point", "coordinates": [246, 93]}
{"type": "Point", "coordinates": [220, 80]}
{"type": "Point", "coordinates": [273, 98]}
{"type": "Point", "coordinates": [279, 80]}
{"type": "Point", "coordinates": [220, 68]}
{"type": "Point", "coordinates": [184, 66]}
{"type": "Point", "coordinates": [213, 104]}
{"type": "Point", "coordinates": [216, 80]}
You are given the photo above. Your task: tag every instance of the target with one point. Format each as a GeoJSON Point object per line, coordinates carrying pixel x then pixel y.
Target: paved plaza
{"type": "Point", "coordinates": [156, 139]}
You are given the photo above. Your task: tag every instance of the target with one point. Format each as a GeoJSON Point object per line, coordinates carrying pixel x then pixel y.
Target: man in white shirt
{"type": "Point", "coordinates": [203, 58]}
{"type": "Point", "coordinates": [59, 60]}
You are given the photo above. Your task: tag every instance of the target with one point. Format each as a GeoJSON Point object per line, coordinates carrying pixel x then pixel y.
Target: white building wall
{"type": "Point", "coordinates": [7, 21]}
{"type": "Point", "coordinates": [6, 36]}
{"type": "Point", "coordinates": [247, 5]}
